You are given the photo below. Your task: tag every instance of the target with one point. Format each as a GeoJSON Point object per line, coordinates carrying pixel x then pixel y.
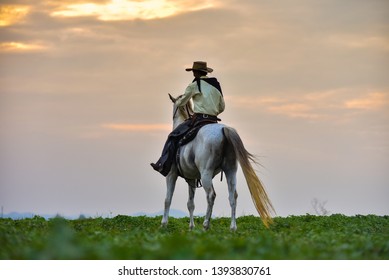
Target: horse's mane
{"type": "Point", "coordinates": [187, 109]}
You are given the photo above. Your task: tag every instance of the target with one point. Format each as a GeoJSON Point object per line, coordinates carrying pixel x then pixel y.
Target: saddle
{"type": "Point", "coordinates": [198, 121]}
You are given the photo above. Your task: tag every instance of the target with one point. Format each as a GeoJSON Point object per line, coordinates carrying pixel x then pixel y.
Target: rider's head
{"type": "Point", "coordinates": [198, 74]}
{"type": "Point", "coordinates": [199, 69]}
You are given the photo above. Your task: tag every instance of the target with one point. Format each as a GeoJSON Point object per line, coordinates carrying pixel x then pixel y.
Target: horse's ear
{"type": "Point", "coordinates": [172, 98]}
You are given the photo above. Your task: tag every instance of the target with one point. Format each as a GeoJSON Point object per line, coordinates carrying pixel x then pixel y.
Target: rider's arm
{"type": "Point", "coordinates": [189, 93]}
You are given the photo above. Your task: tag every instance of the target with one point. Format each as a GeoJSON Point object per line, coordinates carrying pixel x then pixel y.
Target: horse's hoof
{"type": "Point", "coordinates": [233, 228]}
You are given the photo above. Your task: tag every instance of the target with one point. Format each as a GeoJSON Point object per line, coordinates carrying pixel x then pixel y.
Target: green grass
{"type": "Point", "coordinates": [123, 237]}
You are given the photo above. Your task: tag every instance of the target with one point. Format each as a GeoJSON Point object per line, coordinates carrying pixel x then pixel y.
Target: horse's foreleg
{"type": "Point", "coordinates": [191, 206]}
{"type": "Point", "coordinates": [211, 195]}
{"type": "Point", "coordinates": [170, 184]}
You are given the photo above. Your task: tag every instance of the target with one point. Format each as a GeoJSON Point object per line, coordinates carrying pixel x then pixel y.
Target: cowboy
{"type": "Point", "coordinates": [208, 103]}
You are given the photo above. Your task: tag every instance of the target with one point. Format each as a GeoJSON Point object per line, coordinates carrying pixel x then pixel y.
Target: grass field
{"type": "Point", "coordinates": [124, 237]}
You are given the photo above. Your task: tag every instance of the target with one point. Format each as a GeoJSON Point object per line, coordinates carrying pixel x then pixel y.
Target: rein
{"type": "Point", "coordinates": [175, 112]}
{"type": "Point", "coordinates": [187, 111]}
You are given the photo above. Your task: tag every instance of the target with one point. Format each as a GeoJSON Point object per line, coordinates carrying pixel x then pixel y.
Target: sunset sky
{"type": "Point", "coordinates": [84, 102]}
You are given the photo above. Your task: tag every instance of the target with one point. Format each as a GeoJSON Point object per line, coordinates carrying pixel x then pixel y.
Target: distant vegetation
{"type": "Point", "coordinates": [124, 237]}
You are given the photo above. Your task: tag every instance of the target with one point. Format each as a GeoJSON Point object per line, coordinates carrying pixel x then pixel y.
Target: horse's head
{"type": "Point", "coordinates": [182, 113]}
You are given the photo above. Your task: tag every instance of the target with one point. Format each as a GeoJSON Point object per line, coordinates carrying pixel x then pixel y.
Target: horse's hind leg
{"type": "Point", "coordinates": [233, 195]}
{"type": "Point", "coordinates": [171, 179]}
{"type": "Point", "coordinates": [211, 195]}
{"type": "Point", "coordinates": [191, 206]}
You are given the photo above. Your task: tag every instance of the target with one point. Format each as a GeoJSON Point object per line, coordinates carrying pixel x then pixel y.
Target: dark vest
{"type": "Point", "coordinates": [212, 81]}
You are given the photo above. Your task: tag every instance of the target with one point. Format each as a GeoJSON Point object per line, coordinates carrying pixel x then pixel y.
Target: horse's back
{"type": "Point", "coordinates": [211, 133]}
{"type": "Point", "coordinates": [204, 152]}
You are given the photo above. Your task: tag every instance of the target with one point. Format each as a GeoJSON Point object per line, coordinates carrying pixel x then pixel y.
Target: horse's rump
{"type": "Point", "coordinates": [204, 152]}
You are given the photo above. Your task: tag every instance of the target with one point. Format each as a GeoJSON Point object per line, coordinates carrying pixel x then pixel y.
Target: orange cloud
{"type": "Point", "coordinates": [282, 106]}
{"type": "Point", "coordinates": [294, 110]}
{"type": "Point", "coordinates": [138, 127]}
{"type": "Point", "coordinates": [11, 14]}
{"type": "Point", "coordinates": [130, 10]}
{"type": "Point", "coordinates": [21, 47]}
{"type": "Point", "coordinates": [325, 105]}
{"type": "Point", "coordinates": [372, 101]}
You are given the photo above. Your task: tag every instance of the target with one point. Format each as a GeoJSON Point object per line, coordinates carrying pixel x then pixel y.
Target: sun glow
{"type": "Point", "coordinates": [130, 10]}
{"type": "Point", "coordinates": [11, 14]}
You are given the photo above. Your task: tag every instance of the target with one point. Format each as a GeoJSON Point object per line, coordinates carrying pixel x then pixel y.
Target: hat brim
{"type": "Point", "coordinates": [208, 70]}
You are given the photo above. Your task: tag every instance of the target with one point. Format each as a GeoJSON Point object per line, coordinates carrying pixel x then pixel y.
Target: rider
{"type": "Point", "coordinates": [208, 103]}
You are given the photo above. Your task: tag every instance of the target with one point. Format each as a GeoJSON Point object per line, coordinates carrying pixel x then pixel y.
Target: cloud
{"type": "Point", "coordinates": [357, 41]}
{"type": "Point", "coordinates": [11, 14]}
{"type": "Point", "coordinates": [372, 101]}
{"type": "Point", "coordinates": [22, 47]}
{"type": "Point", "coordinates": [321, 105]}
{"type": "Point", "coordinates": [295, 106]}
{"type": "Point", "coordinates": [130, 10]}
{"type": "Point", "coordinates": [140, 127]}
{"type": "Point", "coordinates": [295, 110]}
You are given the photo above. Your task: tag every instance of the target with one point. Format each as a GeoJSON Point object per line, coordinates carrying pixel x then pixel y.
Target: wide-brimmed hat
{"type": "Point", "coordinates": [200, 66]}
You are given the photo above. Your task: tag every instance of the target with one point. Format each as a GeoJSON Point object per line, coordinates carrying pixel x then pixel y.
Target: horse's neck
{"type": "Point", "coordinates": [179, 119]}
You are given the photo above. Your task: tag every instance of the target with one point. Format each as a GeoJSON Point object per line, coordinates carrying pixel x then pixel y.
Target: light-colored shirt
{"type": "Point", "coordinates": [209, 101]}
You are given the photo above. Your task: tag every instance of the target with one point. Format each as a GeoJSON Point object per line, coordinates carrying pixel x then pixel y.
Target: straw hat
{"type": "Point", "coordinates": [200, 66]}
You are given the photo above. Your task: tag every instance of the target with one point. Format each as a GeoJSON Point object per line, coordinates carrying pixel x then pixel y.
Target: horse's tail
{"type": "Point", "coordinates": [258, 194]}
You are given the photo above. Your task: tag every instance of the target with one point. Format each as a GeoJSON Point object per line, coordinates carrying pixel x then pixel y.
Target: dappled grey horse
{"type": "Point", "coordinates": [216, 148]}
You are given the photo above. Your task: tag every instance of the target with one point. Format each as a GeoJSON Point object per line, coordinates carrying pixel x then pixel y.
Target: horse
{"type": "Point", "coordinates": [216, 148]}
